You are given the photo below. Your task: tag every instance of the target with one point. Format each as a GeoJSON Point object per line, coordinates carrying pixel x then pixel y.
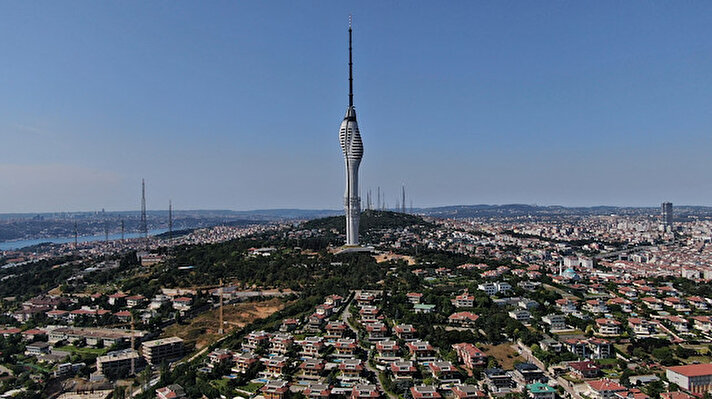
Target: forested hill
{"type": "Point", "coordinates": [370, 220]}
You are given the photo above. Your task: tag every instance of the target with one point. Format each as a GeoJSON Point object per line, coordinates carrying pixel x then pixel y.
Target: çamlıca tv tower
{"type": "Point", "coordinates": [352, 147]}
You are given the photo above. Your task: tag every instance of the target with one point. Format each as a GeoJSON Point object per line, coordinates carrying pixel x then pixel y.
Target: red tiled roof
{"type": "Point", "coordinates": [693, 370]}
{"type": "Point", "coordinates": [182, 299]}
{"type": "Point", "coordinates": [33, 331]}
{"type": "Point", "coordinates": [464, 316]}
{"type": "Point", "coordinates": [676, 395]}
{"type": "Point", "coordinates": [607, 321]}
{"type": "Point", "coordinates": [123, 313]}
{"type": "Point", "coordinates": [606, 385]}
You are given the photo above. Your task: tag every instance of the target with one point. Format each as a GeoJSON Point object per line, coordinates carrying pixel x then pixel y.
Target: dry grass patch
{"type": "Point", "coordinates": [391, 256]}
{"type": "Point", "coordinates": [505, 355]}
{"type": "Point", "coordinates": [202, 330]}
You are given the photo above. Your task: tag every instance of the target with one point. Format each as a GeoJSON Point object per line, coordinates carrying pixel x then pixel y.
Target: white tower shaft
{"type": "Point", "coordinates": [352, 147]}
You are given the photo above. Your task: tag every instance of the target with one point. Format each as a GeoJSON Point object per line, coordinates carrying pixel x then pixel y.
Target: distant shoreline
{"type": "Point", "coordinates": [19, 244]}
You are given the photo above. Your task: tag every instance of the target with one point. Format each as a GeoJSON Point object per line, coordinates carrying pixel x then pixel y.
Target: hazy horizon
{"type": "Point", "coordinates": [237, 105]}
{"type": "Point", "coordinates": [175, 210]}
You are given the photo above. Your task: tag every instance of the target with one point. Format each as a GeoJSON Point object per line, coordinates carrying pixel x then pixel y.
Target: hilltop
{"type": "Point", "coordinates": [370, 220]}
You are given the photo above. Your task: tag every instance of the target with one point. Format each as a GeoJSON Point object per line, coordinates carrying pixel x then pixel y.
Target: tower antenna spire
{"type": "Point", "coordinates": [351, 75]}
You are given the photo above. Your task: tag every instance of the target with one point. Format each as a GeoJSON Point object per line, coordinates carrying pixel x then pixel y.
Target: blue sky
{"type": "Point", "coordinates": [236, 105]}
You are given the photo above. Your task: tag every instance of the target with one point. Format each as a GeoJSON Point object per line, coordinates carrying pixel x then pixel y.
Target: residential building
{"type": "Point", "coordinates": [275, 389]}
{"type": "Point", "coordinates": [403, 370]}
{"type": "Point", "coordinates": [274, 365]}
{"type": "Point", "coordinates": [168, 349]}
{"type": "Point", "coordinates": [414, 297]}
{"type": "Point", "coordinates": [351, 368]}
{"type": "Point", "coordinates": [312, 368]}
{"type": "Point", "coordinates": [596, 306]}
{"type": "Point", "coordinates": [421, 350]}
{"type": "Point", "coordinates": [256, 339]}
{"type": "Point", "coordinates": [470, 355]}
{"type": "Point", "coordinates": [585, 369]}
{"type": "Point", "coordinates": [464, 300]}
{"type": "Point", "coordinates": [694, 378]}
{"type": "Point", "coordinates": [335, 330]}
{"type": "Point", "coordinates": [345, 347]}
{"type": "Point", "coordinates": [280, 343]}
{"type": "Point", "coordinates": [703, 323]}
{"type": "Point", "coordinates": [539, 390]}
{"type": "Point", "coordinates": [556, 322]}
{"type": "Point", "coordinates": [315, 390]}
{"type": "Point", "coordinates": [520, 315]}
{"type": "Point", "coordinates": [499, 380]}
{"type": "Point", "coordinates": [37, 348]}
{"type": "Point", "coordinates": [424, 392]}
{"type": "Point", "coordinates": [118, 364]}
{"type": "Point", "coordinates": [405, 332]}
{"type": "Point", "coordinates": [604, 389]}
{"type": "Point", "coordinates": [528, 373]}
{"type": "Point", "coordinates": [376, 331]}
{"type": "Point", "coordinates": [173, 391]}
{"type": "Point", "coordinates": [466, 391]}
{"type": "Point", "coordinates": [442, 370]}
{"type": "Point", "coordinates": [243, 361]}
{"type": "Point", "coordinates": [641, 327]}
{"type": "Point", "coordinates": [182, 304]}
{"type": "Point", "coordinates": [364, 391]}
{"type": "Point", "coordinates": [311, 346]}
{"type": "Point", "coordinates": [387, 349]}
{"type": "Point", "coordinates": [463, 319]}
{"type": "Point", "coordinates": [608, 326]}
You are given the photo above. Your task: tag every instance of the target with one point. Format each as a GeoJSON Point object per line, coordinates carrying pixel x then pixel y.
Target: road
{"type": "Point", "coordinates": [151, 384]}
{"type": "Point", "coordinates": [345, 315]}
{"type": "Point", "coordinates": [174, 364]}
{"type": "Point", "coordinates": [526, 352]}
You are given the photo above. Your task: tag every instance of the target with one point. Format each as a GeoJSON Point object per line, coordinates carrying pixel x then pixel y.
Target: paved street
{"type": "Point", "coordinates": [345, 317]}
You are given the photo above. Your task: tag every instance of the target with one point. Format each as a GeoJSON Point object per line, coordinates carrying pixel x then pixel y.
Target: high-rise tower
{"type": "Point", "coordinates": [352, 147]}
{"type": "Point", "coordinates": [666, 215]}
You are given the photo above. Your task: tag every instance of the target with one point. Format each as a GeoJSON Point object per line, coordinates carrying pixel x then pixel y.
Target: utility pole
{"type": "Point", "coordinates": [403, 199]}
{"type": "Point", "coordinates": [221, 330]}
{"type": "Point", "coordinates": [378, 204]}
{"type": "Point", "coordinates": [170, 221]}
{"type": "Point", "coordinates": [122, 231]}
{"type": "Point", "coordinates": [76, 236]}
{"type": "Point", "coordinates": [133, 345]}
{"type": "Point", "coordinates": [144, 223]}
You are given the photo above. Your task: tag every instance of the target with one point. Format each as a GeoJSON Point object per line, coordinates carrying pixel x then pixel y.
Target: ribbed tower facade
{"type": "Point", "coordinates": [352, 147]}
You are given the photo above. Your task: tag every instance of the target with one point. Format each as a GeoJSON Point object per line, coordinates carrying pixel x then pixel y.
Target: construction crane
{"type": "Point", "coordinates": [133, 339]}
{"type": "Point", "coordinates": [133, 345]}
{"type": "Point", "coordinates": [221, 327]}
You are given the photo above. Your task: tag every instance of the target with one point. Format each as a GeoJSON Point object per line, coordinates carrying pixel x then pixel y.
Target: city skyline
{"type": "Point", "coordinates": [232, 106]}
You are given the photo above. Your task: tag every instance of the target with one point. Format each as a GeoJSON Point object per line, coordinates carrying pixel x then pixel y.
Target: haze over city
{"type": "Point", "coordinates": [235, 106]}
